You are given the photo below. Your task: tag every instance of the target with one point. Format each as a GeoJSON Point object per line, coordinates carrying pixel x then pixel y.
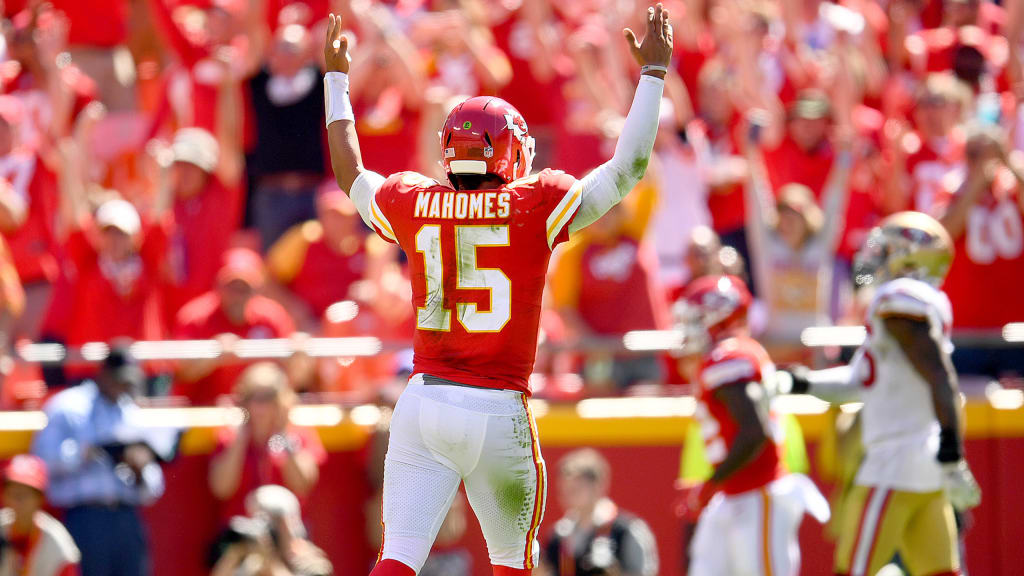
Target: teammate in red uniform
{"type": "Point", "coordinates": [478, 248]}
{"type": "Point", "coordinates": [750, 508]}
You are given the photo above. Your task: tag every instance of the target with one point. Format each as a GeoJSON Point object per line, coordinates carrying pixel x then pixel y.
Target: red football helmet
{"type": "Point", "coordinates": [710, 306]}
{"type": "Point", "coordinates": [486, 135]}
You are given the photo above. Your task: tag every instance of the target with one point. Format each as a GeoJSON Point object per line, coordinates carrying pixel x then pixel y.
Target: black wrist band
{"type": "Point", "coordinates": [949, 446]}
{"type": "Point", "coordinates": [801, 385]}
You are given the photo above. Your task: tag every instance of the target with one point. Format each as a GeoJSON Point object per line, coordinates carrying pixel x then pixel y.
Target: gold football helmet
{"type": "Point", "coordinates": [905, 244]}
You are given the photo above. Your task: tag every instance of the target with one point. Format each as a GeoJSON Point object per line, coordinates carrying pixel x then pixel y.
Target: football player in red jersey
{"type": "Point", "coordinates": [750, 509]}
{"type": "Point", "coordinates": [478, 248]}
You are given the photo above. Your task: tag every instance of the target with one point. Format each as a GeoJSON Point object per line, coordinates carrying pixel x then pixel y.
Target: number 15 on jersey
{"type": "Point", "coordinates": [434, 315]}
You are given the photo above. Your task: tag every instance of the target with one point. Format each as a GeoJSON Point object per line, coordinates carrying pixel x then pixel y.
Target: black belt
{"type": "Point", "coordinates": [435, 381]}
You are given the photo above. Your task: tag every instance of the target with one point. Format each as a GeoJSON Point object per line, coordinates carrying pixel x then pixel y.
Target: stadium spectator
{"type": "Point", "coordinates": [985, 218]}
{"type": "Point", "coordinates": [234, 309]}
{"type": "Point", "coordinates": [716, 150]}
{"type": "Point", "coordinates": [528, 35]}
{"type": "Point", "coordinates": [317, 261]}
{"type": "Point", "coordinates": [51, 89]}
{"type": "Point", "coordinates": [270, 539]}
{"type": "Point", "coordinates": [375, 308]}
{"type": "Point", "coordinates": [606, 268]}
{"type": "Point", "coordinates": [935, 151]}
{"type": "Point", "coordinates": [205, 179]}
{"type": "Point", "coordinates": [793, 246]}
{"type": "Point", "coordinates": [266, 448]}
{"type": "Point", "coordinates": [682, 208]}
{"type": "Point", "coordinates": [387, 91]}
{"type": "Point", "coordinates": [805, 155]}
{"type": "Point", "coordinates": [461, 54]}
{"type": "Point", "coordinates": [32, 543]}
{"type": "Point", "coordinates": [596, 95]}
{"type": "Point", "coordinates": [102, 468]}
{"type": "Point", "coordinates": [114, 285]}
{"type": "Point", "coordinates": [112, 257]}
{"type": "Point", "coordinates": [212, 44]}
{"type": "Point", "coordinates": [28, 200]}
{"type": "Point", "coordinates": [287, 161]}
{"type": "Point", "coordinates": [97, 34]}
{"type": "Point", "coordinates": [595, 536]}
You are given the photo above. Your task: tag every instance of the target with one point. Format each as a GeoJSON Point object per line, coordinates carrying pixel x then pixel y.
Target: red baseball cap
{"type": "Point", "coordinates": [330, 197]}
{"type": "Point", "coordinates": [28, 470]}
{"type": "Point", "coordinates": [241, 264]}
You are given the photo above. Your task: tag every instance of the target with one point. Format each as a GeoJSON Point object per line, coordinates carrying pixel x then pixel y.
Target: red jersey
{"type": "Point", "coordinates": [97, 23]}
{"type": "Point", "coordinates": [262, 467]}
{"type": "Point", "coordinates": [515, 37]}
{"type": "Point", "coordinates": [478, 261]}
{"type": "Point", "coordinates": [202, 231]}
{"type": "Point", "coordinates": [989, 262]}
{"type": "Point", "coordinates": [618, 278]}
{"type": "Point", "coordinates": [725, 201]}
{"type": "Point", "coordinates": [33, 244]}
{"type": "Point", "coordinates": [734, 362]}
{"type": "Point", "coordinates": [936, 170]}
{"type": "Point", "coordinates": [114, 301]}
{"type": "Point", "coordinates": [204, 318]}
{"type": "Point", "coordinates": [789, 164]}
{"type": "Point", "coordinates": [326, 275]}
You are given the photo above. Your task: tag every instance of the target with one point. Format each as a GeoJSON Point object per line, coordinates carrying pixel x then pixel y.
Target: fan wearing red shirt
{"type": "Point", "coordinates": [266, 448]}
{"type": "Point", "coordinates": [234, 309]}
{"type": "Point", "coordinates": [28, 201]}
{"type": "Point", "coordinates": [114, 285]}
{"type": "Point", "coordinates": [479, 248]}
{"type": "Point", "coordinates": [985, 218]}
{"type": "Point", "coordinates": [605, 269]}
{"type": "Point", "coordinates": [717, 151]}
{"type": "Point", "coordinates": [204, 179]}
{"type": "Point", "coordinates": [35, 543]}
{"type": "Point", "coordinates": [805, 155]}
{"type": "Point", "coordinates": [51, 95]}
{"type": "Point", "coordinates": [97, 33]}
{"type": "Point", "coordinates": [750, 509]}
{"type": "Point", "coordinates": [317, 261]}
{"type": "Point", "coordinates": [936, 150]}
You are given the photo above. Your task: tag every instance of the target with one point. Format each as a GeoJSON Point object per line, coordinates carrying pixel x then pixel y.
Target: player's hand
{"type": "Point", "coordinates": [336, 56]}
{"type": "Point", "coordinates": [697, 499]}
{"type": "Point", "coordinates": [960, 486]}
{"type": "Point", "coordinates": [792, 380]}
{"type": "Point", "coordinates": [656, 47]}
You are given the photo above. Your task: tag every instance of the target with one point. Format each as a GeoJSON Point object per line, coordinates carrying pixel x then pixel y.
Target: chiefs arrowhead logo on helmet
{"type": "Point", "coordinates": [712, 305]}
{"type": "Point", "coordinates": [487, 135]}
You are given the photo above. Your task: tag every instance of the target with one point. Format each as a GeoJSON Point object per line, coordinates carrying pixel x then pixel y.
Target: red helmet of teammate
{"type": "Point", "coordinates": [711, 306]}
{"type": "Point", "coordinates": [486, 135]}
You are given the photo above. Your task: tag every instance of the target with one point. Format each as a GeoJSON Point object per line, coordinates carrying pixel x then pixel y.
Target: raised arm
{"type": "Point", "coordinates": [346, 160]}
{"type": "Point", "coordinates": [836, 197]}
{"type": "Point", "coordinates": [609, 183]}
{"type": "Point", "coordinates": [761, 214]}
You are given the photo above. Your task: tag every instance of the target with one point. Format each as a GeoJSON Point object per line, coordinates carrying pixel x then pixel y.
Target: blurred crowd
{"type": "Point", "coordinates": [163, 172]}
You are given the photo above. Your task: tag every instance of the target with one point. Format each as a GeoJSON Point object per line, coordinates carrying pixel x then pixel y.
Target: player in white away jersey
{"type": "Point", "coordinates": [913, 474]}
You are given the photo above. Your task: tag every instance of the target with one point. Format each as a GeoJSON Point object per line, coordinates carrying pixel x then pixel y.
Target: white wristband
{"type": "Point", "coordinates": [336, 102]}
